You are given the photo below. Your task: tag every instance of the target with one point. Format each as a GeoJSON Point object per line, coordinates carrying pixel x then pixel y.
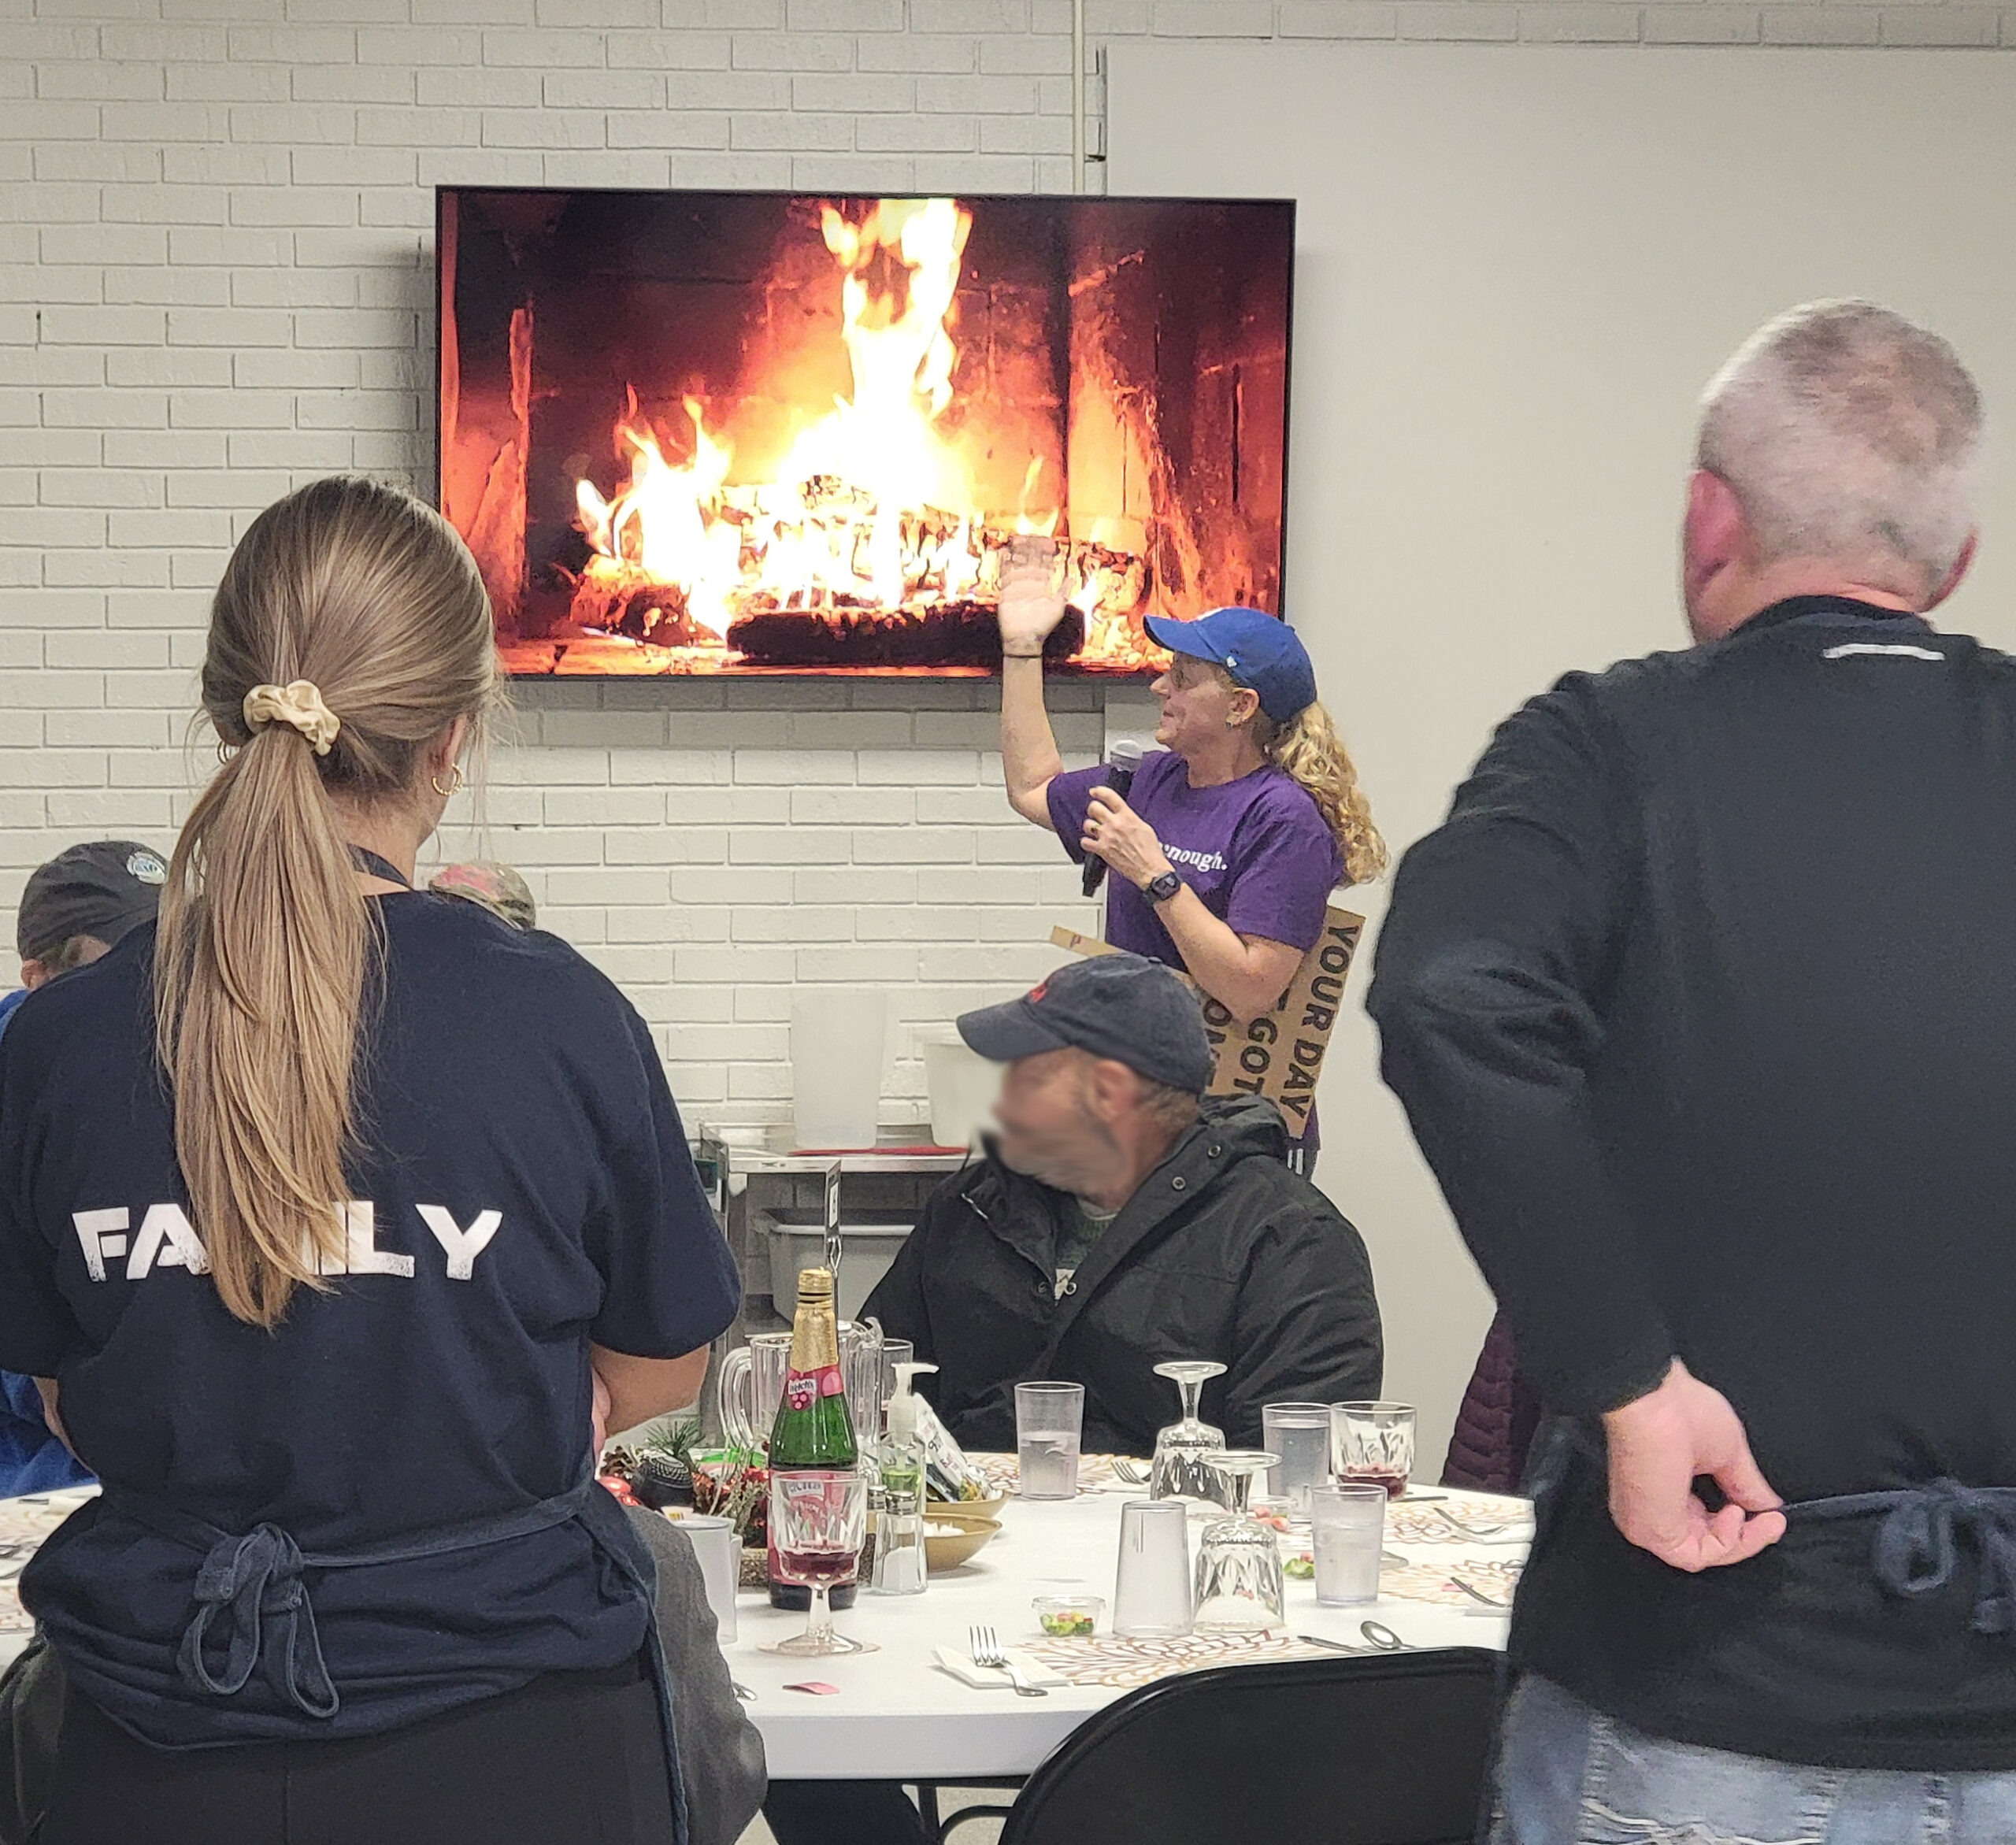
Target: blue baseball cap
{"type": "Point", "coordinates": [1259, 650]}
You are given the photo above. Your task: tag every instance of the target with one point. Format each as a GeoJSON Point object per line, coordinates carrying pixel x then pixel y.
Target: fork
{"type": "Point", "coordinates": [1479, 1534]}
{"type": "Point", "coordinates": [987, 1654]}
{"type": "Point", "coordinates": [1131, 1472]}
{"type": "Point", "coordinates": [1456, 1582]}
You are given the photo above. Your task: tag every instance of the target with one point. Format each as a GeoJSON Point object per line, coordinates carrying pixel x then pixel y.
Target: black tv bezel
{"type": "Point", "coordinates": [846, 673]}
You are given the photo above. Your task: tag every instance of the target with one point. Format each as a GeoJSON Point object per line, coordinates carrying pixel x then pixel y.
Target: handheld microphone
{"type": "Point", "coordinates": [1121, 761]}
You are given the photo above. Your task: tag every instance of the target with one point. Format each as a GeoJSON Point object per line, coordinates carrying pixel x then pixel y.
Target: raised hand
{"type": "Point", "coordinates": [1659, 1446]}
{"type": "Point", "coordinates": [1030, 606]}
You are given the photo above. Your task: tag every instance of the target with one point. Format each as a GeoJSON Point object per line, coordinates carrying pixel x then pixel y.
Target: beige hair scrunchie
{"type": "Point", "coordinates": [298, 703]}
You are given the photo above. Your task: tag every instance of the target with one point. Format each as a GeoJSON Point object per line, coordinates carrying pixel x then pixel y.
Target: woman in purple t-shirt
{"type": "Point", "coordinates": [1225, 852]}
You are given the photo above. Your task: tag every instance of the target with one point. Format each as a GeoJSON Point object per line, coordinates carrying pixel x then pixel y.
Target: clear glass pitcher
{"type": "Point", "coordinates": [750, 1386]}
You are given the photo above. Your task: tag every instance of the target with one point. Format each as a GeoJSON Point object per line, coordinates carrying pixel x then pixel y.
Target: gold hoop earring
{"type": "Point", "coordinates": [454, 787]}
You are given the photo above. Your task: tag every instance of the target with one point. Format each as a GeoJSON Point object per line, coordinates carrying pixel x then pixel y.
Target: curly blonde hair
{"type": "Point", "coordinates": [1308, 750]}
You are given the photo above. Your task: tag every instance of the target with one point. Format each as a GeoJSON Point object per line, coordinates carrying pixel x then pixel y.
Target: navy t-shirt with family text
{"type": "Point", "coordinates": [524, 1188]}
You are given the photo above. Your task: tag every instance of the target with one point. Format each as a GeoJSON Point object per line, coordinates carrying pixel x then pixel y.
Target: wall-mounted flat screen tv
{"type": "Point", "coordinates": [736, 432]}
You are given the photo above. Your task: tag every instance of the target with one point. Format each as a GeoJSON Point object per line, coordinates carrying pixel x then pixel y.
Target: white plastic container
{"type": "Point", "coordinates": [867, 1251]}
{"type": "Point", "coordinates": [961, 1083]}
{"type": "Point", "coordinates": [838, 1046]}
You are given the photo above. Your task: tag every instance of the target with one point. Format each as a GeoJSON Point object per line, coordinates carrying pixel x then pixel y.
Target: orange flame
{"type": "Point", "coordinates": [870, 508]}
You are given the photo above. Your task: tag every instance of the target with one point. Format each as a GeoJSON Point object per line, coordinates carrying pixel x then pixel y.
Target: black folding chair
{"type": "Point", "coordinates": [1372, 1749]}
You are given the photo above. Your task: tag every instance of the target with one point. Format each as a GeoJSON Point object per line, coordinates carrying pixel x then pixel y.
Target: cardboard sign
{"type": "Point", "coordinates": [1278, 1055]}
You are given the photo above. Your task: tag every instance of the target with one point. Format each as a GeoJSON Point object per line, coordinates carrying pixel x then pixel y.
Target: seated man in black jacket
{"type": "Point", "coordinates": [1120, 1218]}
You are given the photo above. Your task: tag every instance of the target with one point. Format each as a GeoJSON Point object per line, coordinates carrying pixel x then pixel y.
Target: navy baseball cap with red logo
{"type": "Point", "coordinates": [1122, 1007]}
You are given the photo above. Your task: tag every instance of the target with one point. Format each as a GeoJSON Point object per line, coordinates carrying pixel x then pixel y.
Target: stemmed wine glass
{"type": "Point", "coordinates": [818, 1524]}
{"type": "Point", "coordinates": [1239, 1561]}
{"type": "Point", "coordinates": [1180, 1472]}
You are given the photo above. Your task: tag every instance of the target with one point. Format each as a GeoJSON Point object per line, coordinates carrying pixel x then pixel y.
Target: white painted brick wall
{"type": "Point", "coordinates": [215, 282]}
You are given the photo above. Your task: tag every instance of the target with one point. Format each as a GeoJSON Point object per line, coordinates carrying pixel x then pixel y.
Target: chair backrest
{"type": "Point", "coordinates": [1372, 1749]}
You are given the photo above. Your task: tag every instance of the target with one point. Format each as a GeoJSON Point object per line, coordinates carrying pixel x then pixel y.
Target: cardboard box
{"type": "Point", "coordinates": [1280, 1054]}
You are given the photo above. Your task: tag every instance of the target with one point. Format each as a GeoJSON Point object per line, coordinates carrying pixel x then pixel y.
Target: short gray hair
{"type": "Point", "coordinates": [1847, 433]}
{"type": "Point", "coordinates": [1174, 1109]}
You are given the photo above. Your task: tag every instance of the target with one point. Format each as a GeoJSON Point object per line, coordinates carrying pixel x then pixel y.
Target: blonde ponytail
{"type": "Point", "coordinates": [266, 950]}
{"type": "Point", "coordinates": [1308, 750]}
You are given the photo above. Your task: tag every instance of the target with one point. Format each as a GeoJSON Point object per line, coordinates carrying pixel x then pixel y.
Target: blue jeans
{"type": "Point", "coordinates": [1569, 1776]}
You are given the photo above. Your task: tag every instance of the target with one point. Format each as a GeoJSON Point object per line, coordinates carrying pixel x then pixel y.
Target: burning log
{"type": "Point", "coordinates": [956, 633]}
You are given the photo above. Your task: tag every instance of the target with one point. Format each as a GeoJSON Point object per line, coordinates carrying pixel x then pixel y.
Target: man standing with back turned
{"type": "Point", "coordinates": [1702, 1004]}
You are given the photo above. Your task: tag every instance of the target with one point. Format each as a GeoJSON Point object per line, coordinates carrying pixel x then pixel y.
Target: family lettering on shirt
{"type": "Point", "coordinates": [167, 1240]}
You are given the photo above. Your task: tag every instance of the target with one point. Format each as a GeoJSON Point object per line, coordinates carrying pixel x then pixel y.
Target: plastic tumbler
{"type": "Point", "coordinates": [1152, 1588]}
{"type": "Point", "coordinates": [1300, 1433]}
{"type": "Point", "coordinates": [1348, 1526]}
{"type": "Point", "coordinates": [1048, 1419]}
{"type": "Point", "coordinates": [718, 1546]}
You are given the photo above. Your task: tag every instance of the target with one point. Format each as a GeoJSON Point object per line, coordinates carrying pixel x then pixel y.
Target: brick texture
{"type": "Point", "coordinates": [215, 274]}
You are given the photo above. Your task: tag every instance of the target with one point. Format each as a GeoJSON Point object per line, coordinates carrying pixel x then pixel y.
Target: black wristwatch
{"type": "Point", "coordinates": [1160, 890]}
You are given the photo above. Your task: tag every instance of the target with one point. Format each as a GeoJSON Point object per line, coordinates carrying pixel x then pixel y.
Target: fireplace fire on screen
{"type": "Point", "coordinates": [762, 432]}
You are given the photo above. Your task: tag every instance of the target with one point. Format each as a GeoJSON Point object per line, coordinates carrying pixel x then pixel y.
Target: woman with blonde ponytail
{"type": "Point", "coordinates": [1225, 850]}
{"type": "Point", "coordinates": [334, 1218]}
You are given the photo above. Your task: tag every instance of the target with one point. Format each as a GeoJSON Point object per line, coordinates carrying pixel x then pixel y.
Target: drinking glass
{"type": "Point", "coordinates": [1049, 1421]}
{"type": "Point", "coordinates": [749, 1388]}
{"type": "Point", "coordinates": [1372, 1442]}
{"type": "Point", "coordinates": [1152, 1588]}
{"type": "Point", "coordinates": [818, 1524]}
{"type": "Point", "coordinates": [1300, 1434]}
{"type": "Point", "coordinates": [1348, 1526]}
{"type": "Point", "coordinates": [718, 1546]}
{"type": "Point", "coordinates": [1179, 1471]}
{"type": "Point", "coordinates": [1238, 1560]}
{"type": "Point", "coordinates": [861, 1376]}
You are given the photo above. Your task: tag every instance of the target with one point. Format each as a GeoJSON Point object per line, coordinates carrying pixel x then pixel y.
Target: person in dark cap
{"type": "Point", "coordinates": [1119, 1218]}
{"type": "Point", "coordinates": [76, 908]}
{"type": "Point", "coordinates": [73, 909]}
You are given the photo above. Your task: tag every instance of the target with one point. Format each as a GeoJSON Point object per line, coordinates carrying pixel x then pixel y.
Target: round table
{"type": "Point", "coordinates": [897, 1716]}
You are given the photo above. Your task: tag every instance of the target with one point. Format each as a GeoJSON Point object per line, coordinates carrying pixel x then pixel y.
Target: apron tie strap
{"type": "Point", "coordinates": [248, 1588]}
{"type": "Point", "coordinates": [1916, 1547]}
{"type": "Point", "coordinates": [243, 1581]}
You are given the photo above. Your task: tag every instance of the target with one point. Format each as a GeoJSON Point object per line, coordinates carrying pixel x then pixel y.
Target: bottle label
{"type": "Point", "coordinates": [802, 1388]}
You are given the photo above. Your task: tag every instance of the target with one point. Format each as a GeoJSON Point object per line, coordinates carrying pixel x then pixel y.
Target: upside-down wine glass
{"type": "Point", "coordinates": [1180, 1472]}
{"type": "Point", "coordinates": [1239, 1560]}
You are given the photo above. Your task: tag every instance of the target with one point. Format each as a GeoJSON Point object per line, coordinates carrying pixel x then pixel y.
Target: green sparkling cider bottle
{"type": "Point", "coordinates": [814, 1433]}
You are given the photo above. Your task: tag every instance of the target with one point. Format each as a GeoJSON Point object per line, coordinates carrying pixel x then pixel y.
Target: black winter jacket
{"type": "Point", "coordinates": [1222, 1252]}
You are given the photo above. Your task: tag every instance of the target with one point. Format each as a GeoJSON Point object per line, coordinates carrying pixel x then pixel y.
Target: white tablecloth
{"type": "Point", "coordinates": [897, 1716]}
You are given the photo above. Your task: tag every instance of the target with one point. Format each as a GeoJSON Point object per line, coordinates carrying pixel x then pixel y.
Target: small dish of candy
{"type": "Point", "coordinates": [1068, 1618]}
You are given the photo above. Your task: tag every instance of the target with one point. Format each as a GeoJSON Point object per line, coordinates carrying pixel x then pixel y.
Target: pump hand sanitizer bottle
{"type": "Point", "coordinates": [899, 1565]}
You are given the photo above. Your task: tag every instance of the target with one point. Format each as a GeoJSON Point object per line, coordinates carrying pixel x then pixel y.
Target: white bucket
{"type": "Point", "coordinates": [838, 1038]}
{"type": "Point", "coordinates": [961, 1083]}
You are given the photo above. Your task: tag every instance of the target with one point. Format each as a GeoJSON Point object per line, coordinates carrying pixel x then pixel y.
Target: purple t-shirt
{"type": "Point", "coordinates": [1256, 850]}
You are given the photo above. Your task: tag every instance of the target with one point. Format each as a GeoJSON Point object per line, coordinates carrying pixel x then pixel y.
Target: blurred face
{"type": "Point", "coordinates": [1050, 1120]}
{"type": "Point", "coordinates": [1200, 705]}
{"type": "Point", "coordinates": [78, 951]}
